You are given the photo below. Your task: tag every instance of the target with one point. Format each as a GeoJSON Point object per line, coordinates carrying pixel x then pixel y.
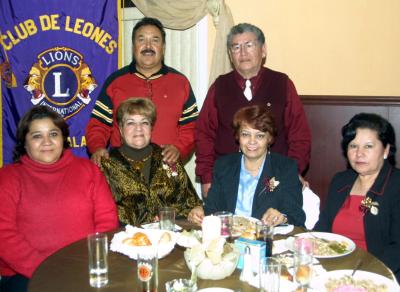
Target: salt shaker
{"type": "Point", "coordinates": [247, 272]}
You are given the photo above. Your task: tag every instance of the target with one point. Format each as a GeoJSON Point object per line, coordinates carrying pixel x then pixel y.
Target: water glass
{"type": "Point", "coordinates": [178, 285]}
{"type": "Point", "coordinates": [303, 266]}
{"type": "Point", "coordinates": [167, 218]}
{"type": "Point", "coordinates": [303, 250]}
{"type": "Point", "coordinates": [226, 222]}
{"type": "Point", "coordinates": [265, 233]}
{"type": "Point", "coordinates": [302, 245]}
{"type": "Point", "coordinates": [270, 274]}
{"type": "Point", "coordinates": [98, 264]}
{"type": "Point", "coordinates": [147, 271]}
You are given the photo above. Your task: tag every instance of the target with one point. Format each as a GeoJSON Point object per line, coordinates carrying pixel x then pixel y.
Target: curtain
{"type": "Point", "coordinates": [184, 14]}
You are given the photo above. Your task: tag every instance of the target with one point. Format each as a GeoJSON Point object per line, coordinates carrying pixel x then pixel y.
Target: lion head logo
{"type": "Point", "coordinates": [33, 83]}
{"type": "Point", "coordinates": [87, 83]}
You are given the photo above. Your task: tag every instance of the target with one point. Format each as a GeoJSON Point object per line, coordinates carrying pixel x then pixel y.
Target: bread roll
{"type": "Point", "coordinates": [248, 235]}
{"type": "Point", "coordinates": [165, 238]}
{"type": "Point", "coordinates": [138, 239]}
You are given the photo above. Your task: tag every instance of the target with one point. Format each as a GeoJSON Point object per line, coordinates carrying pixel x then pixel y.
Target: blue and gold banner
{"type": "Point", "coordinates": [58, 54]}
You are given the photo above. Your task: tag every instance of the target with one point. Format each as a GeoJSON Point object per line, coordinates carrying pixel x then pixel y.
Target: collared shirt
{"type": "Point", "coordinates": [247, 188]}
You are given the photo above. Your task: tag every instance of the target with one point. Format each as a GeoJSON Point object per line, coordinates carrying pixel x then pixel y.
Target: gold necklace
{"type": "Point", "coordinates": [136, 164]}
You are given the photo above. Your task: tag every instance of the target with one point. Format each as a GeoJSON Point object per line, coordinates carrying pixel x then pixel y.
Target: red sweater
{"type": "Point", "coordinates": [46, 207]}
{"type": "Point", "coordinates": [168, 89]}
{"type": "Point", "coordinates": [214, 134]}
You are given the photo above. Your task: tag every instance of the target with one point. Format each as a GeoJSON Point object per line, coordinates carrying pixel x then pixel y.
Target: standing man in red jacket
{"type": "Point", "coordinates": [249, 84]}
{"type": "Point", "coordinates": [147, 76]}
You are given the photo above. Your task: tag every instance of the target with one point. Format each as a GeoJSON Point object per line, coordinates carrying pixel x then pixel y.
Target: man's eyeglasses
{"type": "Point", "coordinates": [247, 46]}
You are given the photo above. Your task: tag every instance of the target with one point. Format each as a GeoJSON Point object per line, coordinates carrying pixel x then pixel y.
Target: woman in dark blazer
{"type": "Point", "coordinates": [255, 182]}
{"type": "Point", "coordinates": [364, 201]}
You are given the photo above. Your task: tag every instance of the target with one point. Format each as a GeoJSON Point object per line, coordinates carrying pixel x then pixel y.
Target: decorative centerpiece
{"type": "Point", "coordinates": [214, 258]}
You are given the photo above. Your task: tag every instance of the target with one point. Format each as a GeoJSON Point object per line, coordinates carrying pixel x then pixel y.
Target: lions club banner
{"type": "Point", "coordinates": [58, 54]}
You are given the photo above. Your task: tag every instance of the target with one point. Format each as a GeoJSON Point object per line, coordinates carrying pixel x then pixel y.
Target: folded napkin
{"type": "Point", "coordinates": [280, 246]}
{"type": "Point", "coordinates": [283, 229]}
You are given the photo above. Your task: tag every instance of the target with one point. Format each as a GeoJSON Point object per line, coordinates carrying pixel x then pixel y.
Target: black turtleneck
{"type": "Point", "coordinates": [137, 155]}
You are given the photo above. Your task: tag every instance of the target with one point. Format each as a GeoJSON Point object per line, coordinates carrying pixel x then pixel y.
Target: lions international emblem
{"type": "Point", "coordinates": [61, 80]}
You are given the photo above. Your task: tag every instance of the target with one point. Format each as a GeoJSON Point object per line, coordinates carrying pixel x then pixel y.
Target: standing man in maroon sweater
{"type": "Point", "coordinates": [147, 76]}
{"type": "Point", "coordinates": [248, 84]}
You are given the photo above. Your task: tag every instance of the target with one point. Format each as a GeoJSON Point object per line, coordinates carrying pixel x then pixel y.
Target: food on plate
{"type": "Point", "coordinates": [286, 261]}
{"type": "Point", "coordinates": [138, 239]}
{"type": "Point", "coordinates": [243, 226]}
{"type": "Point", "coordinates": [324, 247]}
{"type": "Point", "coordinates": [165, 238]}
{"type": "Point", "coordinates": [303, 273]}
{"type": "Point", "coordinates": [248, 235]}
{"type": "Point", "coordinates": [348, 284]}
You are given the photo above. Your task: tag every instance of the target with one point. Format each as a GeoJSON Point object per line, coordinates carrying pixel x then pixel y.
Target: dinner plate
{"type": "Point", "coordinates": [215, 289]}
{"type": "Point", "coordinates": [318, 284]}
{"type": "Point", "coordinates": [351, 246]}
{"type": "Point", "coordinates": [156, 225]}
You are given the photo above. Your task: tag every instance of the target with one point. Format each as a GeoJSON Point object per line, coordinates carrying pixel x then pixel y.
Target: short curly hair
{"type": "Point", "coordinates": [138, 106]}
{"type": "Point", "coordinates": [257, 117]}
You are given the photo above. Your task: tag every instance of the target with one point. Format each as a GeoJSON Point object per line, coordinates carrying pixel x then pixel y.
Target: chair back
{"type": "Point", "coordinates": [311, 204]}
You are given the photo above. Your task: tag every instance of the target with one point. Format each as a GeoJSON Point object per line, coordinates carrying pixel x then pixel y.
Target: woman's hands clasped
{"type": "Point", "coordinates": [273, 217]}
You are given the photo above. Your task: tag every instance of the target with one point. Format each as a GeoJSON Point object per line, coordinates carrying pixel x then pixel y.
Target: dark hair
{"type": "Point", "coordinates": [37, 113]}
{"type": "Point", "coordinates": [139, 106]}
{"type": "Point", "coordinates": [257, 117]}
{"type": "Point", "coordinates": [373, 122]}
{"type": "Point", "coordinates": [242, 28]}
{"type": "Point", "coordinates": [149, 21]}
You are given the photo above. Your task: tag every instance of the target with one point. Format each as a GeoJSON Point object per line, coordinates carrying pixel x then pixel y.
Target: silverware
{"type": "Point", "coordinates": [358, 265]}
{"type": "Point", "coordinates": [316, 237]}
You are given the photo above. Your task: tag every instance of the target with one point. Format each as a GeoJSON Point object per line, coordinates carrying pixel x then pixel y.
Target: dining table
{"type": "Point", "coordinates": [67, 269]}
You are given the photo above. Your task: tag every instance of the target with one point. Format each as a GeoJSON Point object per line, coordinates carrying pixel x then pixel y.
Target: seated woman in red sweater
{"type": "Point", "coordinates": [49, 198]}
{"type": "Point", "coordinates": [364, 201]}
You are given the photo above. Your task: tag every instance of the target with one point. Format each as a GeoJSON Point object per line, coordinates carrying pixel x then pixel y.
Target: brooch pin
{"type": "Point", "coordinates": [367, 205]}
{"type": "Point", "coordinates": [171, 169]}
{"type": "Point", "coordinates": [271, 183]}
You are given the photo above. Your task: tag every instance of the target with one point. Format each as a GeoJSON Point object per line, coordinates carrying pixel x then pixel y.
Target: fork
{"type": "Point", "coordinates": [316, 237]}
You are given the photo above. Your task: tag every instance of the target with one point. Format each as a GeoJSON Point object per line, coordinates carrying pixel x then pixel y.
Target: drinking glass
{"type": "Point", "coordinates": [226, 222]}
{"type": "Point", "coordinates": [147, 271]}
{"type": "Point", "coordinates": [303, 250]}
{"type": "Point", "coordinates": [265, 233]}
{"type": "Point", "coordinates": [98, 265]}
{"type": "Point", "coordinates": [270, 274]}
{"type": "Point", "coordinates": [167, 218]}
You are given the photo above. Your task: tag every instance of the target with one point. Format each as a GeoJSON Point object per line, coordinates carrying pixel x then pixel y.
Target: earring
{"type": "Point", "coordinates": [384, 156]}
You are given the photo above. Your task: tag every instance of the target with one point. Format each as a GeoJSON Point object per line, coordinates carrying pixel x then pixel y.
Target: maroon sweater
{"type": "Point", "coordinates": [214, 135]}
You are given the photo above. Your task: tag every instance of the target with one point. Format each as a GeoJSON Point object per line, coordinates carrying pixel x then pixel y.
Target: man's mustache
{"type": "Point", "coordinates": [146, 51]}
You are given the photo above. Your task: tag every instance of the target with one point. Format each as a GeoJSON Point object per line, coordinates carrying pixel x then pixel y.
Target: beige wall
{"type": "Point", "coordinates": [341, 47]}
